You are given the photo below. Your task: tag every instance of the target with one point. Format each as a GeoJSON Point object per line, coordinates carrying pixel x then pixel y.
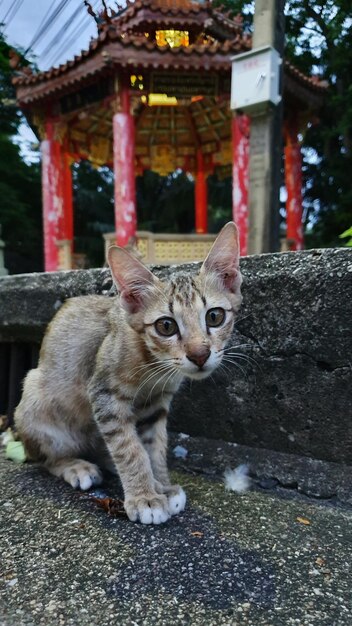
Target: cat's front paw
{"type": "Point", "coordinates": [176, 499]}
{"type": "Point", "coordinates": [147, 510]}
{"type": "Point", "coordinates": [175, 495]}
{"type": "Point", "coordinates": [81, 474]}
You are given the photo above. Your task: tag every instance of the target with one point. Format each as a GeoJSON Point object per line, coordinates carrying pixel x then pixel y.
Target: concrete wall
{"type": "Point", "coordinates": [296, 323]}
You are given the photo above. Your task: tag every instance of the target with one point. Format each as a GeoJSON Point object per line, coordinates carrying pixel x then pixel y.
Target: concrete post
{"type": "Point", "coordinates": [266, 142]}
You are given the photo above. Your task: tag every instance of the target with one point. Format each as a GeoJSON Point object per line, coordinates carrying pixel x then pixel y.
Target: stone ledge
{"type": "Point", "coordinates": [294, 397]}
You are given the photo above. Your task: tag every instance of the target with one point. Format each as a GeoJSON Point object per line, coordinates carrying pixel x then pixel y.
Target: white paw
{"type": "Point", "coordinates": [153, 516]}
{"type": "Point", "coordinates": [177, 502]}
{"type": "Point", "coordinates": [153, 510]}
{"type": "Point", "coordinates": [83, 475]}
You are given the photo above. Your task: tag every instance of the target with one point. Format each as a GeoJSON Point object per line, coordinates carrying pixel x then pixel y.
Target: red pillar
{"type": "Point", "coordinates": [240, 174]}
{"type": "Point", "coordinates": [53, 201]}
{"type": "Point", "coordinates": [293, 181]}
{"type": "Point", "coordinates": [201, 196]}
{"type": "Point", "coordinates": [56, 197]}
{"type": "Point", "coordinates": [67, 226]}
{"type": "Point", "coordinates": [124, 171]}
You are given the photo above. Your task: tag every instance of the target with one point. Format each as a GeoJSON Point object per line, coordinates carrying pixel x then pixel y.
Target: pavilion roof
{"type": "Point", "coordinates": [121, 43]}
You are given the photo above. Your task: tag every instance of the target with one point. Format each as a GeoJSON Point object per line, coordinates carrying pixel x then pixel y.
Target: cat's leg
{"type": "Point", "coordinates": [154, 439]}
{"type": "Point", "coordinates": [116, 423]}
{"type": "Point", "coordinates": [49, 438]}
{"type": "Point", "coordinates": [78, 473]}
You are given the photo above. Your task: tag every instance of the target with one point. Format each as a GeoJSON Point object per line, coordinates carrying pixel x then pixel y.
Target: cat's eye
{"type": "Point", "coordinates": [166, 326]}
{"type": "Point", "coordinates": [215, 317]}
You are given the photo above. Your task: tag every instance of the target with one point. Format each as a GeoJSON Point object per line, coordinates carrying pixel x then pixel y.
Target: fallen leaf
{"type": "Point", "coordinates": [320, 561]}
{"type": "Point", "coordinates": [303, 520]}
{"type": "Point", "coordinates": [111, 506]}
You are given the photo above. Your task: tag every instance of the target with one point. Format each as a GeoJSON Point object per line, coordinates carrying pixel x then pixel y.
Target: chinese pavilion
{"type": "Point", "coordinates": [153, 91]}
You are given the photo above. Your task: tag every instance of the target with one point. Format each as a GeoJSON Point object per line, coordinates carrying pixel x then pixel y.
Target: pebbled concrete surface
{"type": "Point", "coordinates": [261, 559]}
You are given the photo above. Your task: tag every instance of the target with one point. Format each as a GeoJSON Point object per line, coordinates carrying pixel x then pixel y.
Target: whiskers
{"type": "Point", "coordinates": [153, 374]}
{"type": "Point", "coordinates": [240, 360]}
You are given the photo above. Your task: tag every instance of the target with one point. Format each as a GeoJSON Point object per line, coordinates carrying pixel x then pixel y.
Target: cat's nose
{"type": "Point", "coordinates": [199, 356]}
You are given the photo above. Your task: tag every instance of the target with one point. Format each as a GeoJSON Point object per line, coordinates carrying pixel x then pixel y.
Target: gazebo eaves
{"type": "Point", "coordinates": [189, 14]}
{"type": "Point", "coordinates": [172, 8]}
{"type": "Point", "coordinates": [314, 82]}
{"type": "Point", "coordinates": [117, 47]}
{"type": "Point", "coordinates": [111, 49]}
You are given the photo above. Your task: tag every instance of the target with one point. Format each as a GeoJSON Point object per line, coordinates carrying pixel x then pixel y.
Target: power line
{"type": "Point", "coordinates": [49, 22]}
{"type": "Point", "coordinates": [37, 32]}
{"type": "Point", "coordinates": [62, 31]}
{"type": "Point", "coordinates": [15, 10]}
{"type": "Point", "coordinates": [1, 2]}
{"type": "Point", "coordinates": [9, 10]}
{"type": "Point", "coordinates": [52, 18]}
{"type": "Point", "coordinates": [67, 43]}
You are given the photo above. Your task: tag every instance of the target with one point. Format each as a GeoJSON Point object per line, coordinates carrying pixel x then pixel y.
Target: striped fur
{"type": "Point", "coordinates": [106, 376]}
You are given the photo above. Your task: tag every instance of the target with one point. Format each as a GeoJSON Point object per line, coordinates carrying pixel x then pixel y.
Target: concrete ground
{"type": "Point", "coordinates": [271, 558]}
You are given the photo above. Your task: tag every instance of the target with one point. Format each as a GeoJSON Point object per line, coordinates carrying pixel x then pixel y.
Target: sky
{"type": "Point", "coordinates": [66, 36]}
{"type": "Point", "coordinates": [54, 47]}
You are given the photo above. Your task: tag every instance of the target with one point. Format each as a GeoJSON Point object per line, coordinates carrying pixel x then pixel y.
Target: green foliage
{"type": "Point", "coordinates": [165, 203]}
{"type": "Point", "coordinates": [93, 210]}
{"type": "Point", "coordinates": [20, 190]}
{"type": "Point", "coordinates": [9, 114]}
{"type": "Point", "coordinates": [318, 40]}
{"type": "Point", "coordinates": [219, 202]}
{"type": "Point", "coordinates": [347, 233]}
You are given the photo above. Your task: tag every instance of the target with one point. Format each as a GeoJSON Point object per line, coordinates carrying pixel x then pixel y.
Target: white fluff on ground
{"type": "Point", "coordinates": [6, 437]}
{"type": "Point", "coordinates": [237, 480]}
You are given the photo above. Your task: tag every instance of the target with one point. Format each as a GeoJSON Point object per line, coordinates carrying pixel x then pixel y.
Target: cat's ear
{"type": "Point", "coordinates": [223, 259]}
{"type": "Point", "coordinates": [133, 280]}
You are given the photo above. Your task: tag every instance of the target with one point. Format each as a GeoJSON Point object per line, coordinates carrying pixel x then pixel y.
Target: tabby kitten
{"type": "Point", "coordinates": [109, 367]}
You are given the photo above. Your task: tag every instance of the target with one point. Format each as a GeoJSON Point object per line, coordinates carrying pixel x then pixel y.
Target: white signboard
{"type": "Point", "coordinates": [255, 79]}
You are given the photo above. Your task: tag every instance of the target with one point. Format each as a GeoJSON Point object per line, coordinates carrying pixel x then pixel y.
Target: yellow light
{"type": "Point", "coordinates": [161, 99]}
{"type": "Point", "coordinates": [136, 81]}
{"type": "Point", "coordinates": [173, 38]}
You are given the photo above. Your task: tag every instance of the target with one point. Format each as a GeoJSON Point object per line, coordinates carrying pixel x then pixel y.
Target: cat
{"type": "Point", "coordinates": [109, 367]}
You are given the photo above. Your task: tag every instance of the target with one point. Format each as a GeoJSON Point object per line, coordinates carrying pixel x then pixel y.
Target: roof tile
{"type": "Point", "coordinates": [115, 32]}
